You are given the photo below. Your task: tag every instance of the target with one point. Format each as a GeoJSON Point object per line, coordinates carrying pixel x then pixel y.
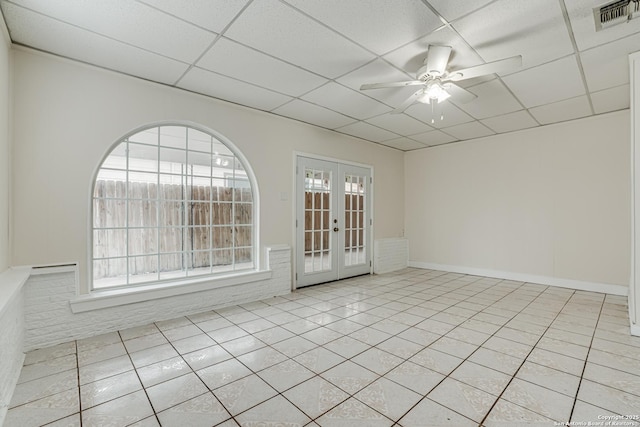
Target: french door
{"type": "Point", "coordinates": [333, 221]}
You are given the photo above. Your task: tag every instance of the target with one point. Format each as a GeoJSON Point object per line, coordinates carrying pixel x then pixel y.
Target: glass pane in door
{"type": "Point", "coordinates": [354, 215]}
{"type": "Point", "coordinates": [317, 223]}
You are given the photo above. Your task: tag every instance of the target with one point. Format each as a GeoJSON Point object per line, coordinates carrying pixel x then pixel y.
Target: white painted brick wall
{"type": "Point", "coordinates": [49, 319]}
{"type": "Point", "coordinates": [390, 254]}
{"type": "Point", "coordinates": [11, 356]}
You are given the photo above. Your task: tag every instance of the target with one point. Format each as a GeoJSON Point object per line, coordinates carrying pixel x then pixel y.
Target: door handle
{"type": "Point", "coordinates": [336, 229]}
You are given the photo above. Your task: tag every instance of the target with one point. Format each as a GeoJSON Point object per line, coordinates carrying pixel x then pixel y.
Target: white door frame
{"type": "Point", "coordinates": [370, 234]}
{"type": "Point", "coordinates": [634, 285]}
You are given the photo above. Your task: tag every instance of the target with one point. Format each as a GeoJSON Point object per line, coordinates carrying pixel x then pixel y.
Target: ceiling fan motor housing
{"type": "Point", "coordinates": [425, 74]}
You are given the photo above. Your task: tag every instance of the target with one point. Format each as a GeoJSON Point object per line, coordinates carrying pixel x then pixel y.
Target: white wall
{"type": "Point", "coordinates": [67, 115]}
{"type": "Point", "coordinates": [5, 149]}
{"type": "Point", "coordinates": [11, 303]}
{"type": "Point", "coordinates": [551, 202]}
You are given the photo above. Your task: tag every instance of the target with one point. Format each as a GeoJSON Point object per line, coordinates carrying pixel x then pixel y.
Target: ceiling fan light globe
{"type": "Point", "coordinates": [434, 91]}
{"type": "Point", "coordinates": [424, 98]}
{"type": "Point", "coordinates": [443, 96]}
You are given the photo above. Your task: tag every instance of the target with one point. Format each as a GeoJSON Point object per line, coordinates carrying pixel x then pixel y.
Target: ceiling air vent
{"type": "Point", "coordinates": [614, 13]}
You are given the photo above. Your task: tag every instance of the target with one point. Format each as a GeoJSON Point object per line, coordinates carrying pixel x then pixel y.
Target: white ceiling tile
{"type": "Point", "coordinates": [400, 124]}
{"type": "Point", "coordinates": [562, 111]}
{"type": "Point", "coordinates": [547, 83]}
{"type": "Point", "coordinates": [584, 28]}
{"type": "Point", "coordinates": [379, 71]}
{"type": "Point", "coordinates": [274, 50]}
{"type": "Point", "coordinates": [212, 15]}
{"type": "Point", "coordinates": [346, 101]}
{"type": "Point", "coordinates": [432, 114]}
{"type": "Point", "coordinates": [366, 131]}
{"type": "Point", "coordinates": [534, 29]}
{"type": "Point", "coordinates": [612, 99]}
{"type": "Point", "coordinates": [216, 85]}
{"type": "Point", "coordinates": [469, 130]}
{"type": "Point", "coordinates": [234, 60]}
{"type": "Point", "coordinates": [131, 22]}
{"type": "Point", "coordinates": [434, 137]}
{"type": "Point", "coordinates": [404, 144]}
{"type": "Point", "coordinates": [314, 114]}
{"type": "Point", "coordinates": [379, 26]}
{"type": "Point", "coordinates": [454, 9]}
{"type": "Point", "coordinates": [411, 57]}
{"type": "Point", "coordinates": [278, 29]}
{"type": "Point", "coordinates": [72, 42]}
{"type": "Point", "coordinates": [493, 99]}
{"type": "Point", "coordinates": [510, 122]}
{"type": "Point", "coordinates": [608, 66]}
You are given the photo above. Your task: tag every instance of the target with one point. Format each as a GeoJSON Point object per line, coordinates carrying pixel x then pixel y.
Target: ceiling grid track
{"type": "Point", "coordinates": [306, 60]}
{"type": "Point", "coordinates": [218, 37]}
{"type": "Point", "coordinates": [565, 15]}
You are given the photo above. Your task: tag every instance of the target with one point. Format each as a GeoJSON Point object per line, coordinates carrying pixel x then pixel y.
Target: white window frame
{"type": "Point", "coordinates": [189, 281]}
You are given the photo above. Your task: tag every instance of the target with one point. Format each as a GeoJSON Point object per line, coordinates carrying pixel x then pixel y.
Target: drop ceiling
{"type": "Point", "coordinates": [306, 59]}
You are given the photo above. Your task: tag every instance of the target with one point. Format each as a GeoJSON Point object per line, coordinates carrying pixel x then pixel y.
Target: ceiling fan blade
{"type": "Point", "coordinates": [437, 59]}
{"type": "Point", "coordinates": [459, 94]}
{"type": "Point", "coordinates": [488, 68]}
{"type": "Point", "coordinates": [410, 100]}
{"type": "Point", "coordinates": [391, 84]}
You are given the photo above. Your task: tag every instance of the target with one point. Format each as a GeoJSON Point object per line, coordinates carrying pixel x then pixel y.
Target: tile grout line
{"type": "Point", "coordinates": [315, 374]}
{"type": "Point", "coordinates": [350, 395]}
{"type": "Point", "coordinates": [491, 335]}
{"type": "Point", "coordinates": [459, 325]}
{"type": "Point", "coordinates": [478, 347]}
{"type": "Point", "coordinates": [524, 361]}
{"type": "Point", "coordinates": [155, 414]}
{"type": "Point", "coordinates": [321, 345]}
{"type": "Point", "coordinates": [400, 290]}
{"type": "Point", "coordinates": [79, 384]}
{"type": "Point", "coordinates": [586, 358]}
{"type": "Point", "coordinates": [317, 345]}
{"type": "Point", "coordinates": [234, 357]}
{"type": "Point", "coordinates": [209, 390]}
{"type": "Point", "coordinates": [404, 360]}
{"type": "Point", "coordinates": [463, 360]}
{"type": "Point", "coordinates": [128, 352]}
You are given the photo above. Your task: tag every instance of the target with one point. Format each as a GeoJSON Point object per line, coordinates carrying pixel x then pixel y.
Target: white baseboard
{"type": "Point", "coordinates": [605, 288]}
{"type": "Point", "coordinates": [635, 330]}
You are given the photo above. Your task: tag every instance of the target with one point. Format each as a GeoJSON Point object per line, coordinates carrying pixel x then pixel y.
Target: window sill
{"type": "Point", "coordinates": [116, 297]}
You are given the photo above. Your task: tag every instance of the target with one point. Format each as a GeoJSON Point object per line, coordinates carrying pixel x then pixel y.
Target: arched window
{"type": "Point", "coordinates": [171, 202]}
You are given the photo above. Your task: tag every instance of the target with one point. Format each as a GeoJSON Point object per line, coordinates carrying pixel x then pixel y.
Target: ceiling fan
{"type": "Point", "coordinates": [437, 84]}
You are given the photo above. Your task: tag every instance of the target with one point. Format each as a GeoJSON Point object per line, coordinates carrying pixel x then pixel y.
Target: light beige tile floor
{"type": "Point", "coordinates": [411, 348]}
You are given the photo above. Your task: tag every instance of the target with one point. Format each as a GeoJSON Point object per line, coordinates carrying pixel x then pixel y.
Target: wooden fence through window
{"type": "Point", "coordinates": [211, 225]}
{"type": "Point", "coordinates": [318, 225]}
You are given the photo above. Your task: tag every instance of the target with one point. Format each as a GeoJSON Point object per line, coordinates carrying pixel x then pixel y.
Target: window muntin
{"type": "Point", "coordinates": [170, 202]}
